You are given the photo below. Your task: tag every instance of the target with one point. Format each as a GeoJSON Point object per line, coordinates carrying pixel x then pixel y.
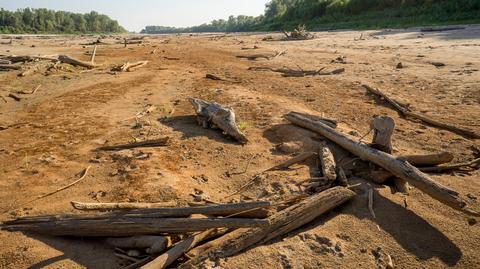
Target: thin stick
{"type": "Point", "coordinates": [370, 202]}
{"type": "Point", "coordinates": [32, 92]}
{"type": "Point", "coordinates": [246, 167]}
{"type": "Point", "coordinates": [83, 175]}
{"type": "Point", "coordinates": [438, 169]}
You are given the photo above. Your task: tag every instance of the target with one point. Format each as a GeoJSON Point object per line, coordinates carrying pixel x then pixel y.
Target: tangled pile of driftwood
{"type": "Point", "coordinates": [157, 235]}
{"type": "Point", "coordinates": [299, 33]}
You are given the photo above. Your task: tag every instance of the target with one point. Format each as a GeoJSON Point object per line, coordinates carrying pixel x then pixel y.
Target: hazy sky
{"type": "Point", "coordinates": [136, 14]}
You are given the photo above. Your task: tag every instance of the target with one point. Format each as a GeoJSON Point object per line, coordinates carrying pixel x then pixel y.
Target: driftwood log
{"type": "Point", "coordinates": [218, 116]}
{"type": "Point", "coordinates": [281, 223]}
{"type": "Point", "coordinates": [151, 243]}
{"type": "Point", "coordinates": [69, 60]}
{"type": "Point", "coordinates": [128, 67]}
{"type": "Point", "coordinates": [428, 159]}
{"type": "Point", "coordinates": [124, 226]}
{"type": "Point", "coordinates": [397, 167]}
{"type": "Point", "coordinates": [406, 112]}
{"type": "Point", "coordinates": [287, 72]}
{"type": "Point", "coordinates": [161, 142]}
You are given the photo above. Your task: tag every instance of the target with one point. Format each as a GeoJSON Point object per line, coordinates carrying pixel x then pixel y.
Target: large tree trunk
{"type": "Point", "coordinates": [397, 167]}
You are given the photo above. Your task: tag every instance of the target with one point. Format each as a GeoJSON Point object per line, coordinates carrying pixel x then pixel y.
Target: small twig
{"type": "Point", "coordinates": [246, 167]}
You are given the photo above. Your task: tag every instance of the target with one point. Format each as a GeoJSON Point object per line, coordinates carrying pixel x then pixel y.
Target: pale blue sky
{"type": "Point", "coordinates": [136, 14]}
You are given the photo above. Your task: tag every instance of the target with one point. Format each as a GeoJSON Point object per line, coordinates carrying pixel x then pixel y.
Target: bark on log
{"type": "Point", "coordinates": [407, 113]}
{"type": "Point", "coordinates": [281, 223]}
{"type": "Point", "coordinates": [327, 162]}
{"type": "Point", "coordinates": [8, 67]}
{"type": "Point", "coordinates": [75, 62]}
{"type": "Point", "coordinates": [124, 226]}
{"type": "Point", "coordinates": [152, 243]}
{"type": "Point", "coordinates": [222, 117]}
{"type": "Point", "coordinates": [143, 144]}
{"type": "Point", "coordinates": [399, 168]}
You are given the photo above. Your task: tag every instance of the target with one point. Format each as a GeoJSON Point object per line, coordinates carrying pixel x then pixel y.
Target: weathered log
{"type": "Point", "coordinates": [119, 206]}
{"type": "Point", "coordinates": [408, 113]}
{"type": "Point", "coordinates": [178, 250]}
{"type": "Point", "coordinates": [428, 159]}
{"type": "Point", "coordinates": [221, 116]}
{"type": "Point", "coordinates": [151, 243]}
{"type": "Point", "coordinates": [287, 72]}
{"type": "Point", "coordinates": [161, 142]}
{"type": "Point", "coordinates": [327, 162]}
{"type": "Point", "coordinates": [124, 226]}
{"type": "Point", "coordinates": [75, 62]}
{"type": "Point", "coordinates": [281, 223]}
{"type": "Point", "coordinates": [399, 168]}
{"type": "Point", "coordinates": [297, 159]}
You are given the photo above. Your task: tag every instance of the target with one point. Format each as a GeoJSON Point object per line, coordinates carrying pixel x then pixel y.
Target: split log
{"type": "Point", "coordinates": [124, 226]}
{"type": "Point", "coordinates": [178, 250]}
{"type": "Point", "coordinates": [399, 168]}
{"type": "Point", "coordinates": [218, 115]}
{"type": "Point", "coordinates": [152, 243]}
{"type": "Point", "coordinates": [297, 159]}
{"type": "Point", "coordinates": [281, 223]}
{"type": "Point", "coordinates": [327, 162]}
{"type": "Point", "coordinates": [75, 62]}
{"type": "Point", "coordinates": [161, 142]}
{"type": "Point", "coordinates": [119, 206]}
{"type": "Point", "coordinates": [439, 169]}
{"type": "Point", "coordinates": [406, 112]}
{"type": "Point", "coordinates": [128, 67]}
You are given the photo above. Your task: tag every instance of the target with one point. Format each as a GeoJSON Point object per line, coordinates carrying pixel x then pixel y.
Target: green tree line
{"type": "Point", "coordinates": [49, 21]}
{"type": "Point", "coordinates": [335, 14]}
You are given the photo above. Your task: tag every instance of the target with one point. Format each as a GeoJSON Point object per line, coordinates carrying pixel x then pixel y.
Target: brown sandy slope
{"type": "Point", "coordinates": [75, 111]}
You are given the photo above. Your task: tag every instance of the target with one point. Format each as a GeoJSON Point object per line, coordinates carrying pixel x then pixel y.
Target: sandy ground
{"type": "Point", "coordinates": [52, 134]}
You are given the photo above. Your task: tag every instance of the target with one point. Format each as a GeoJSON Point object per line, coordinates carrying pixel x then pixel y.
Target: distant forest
{"type": "Point", "coordinates": [49, 21]}
{"type": "Point", "coordinates": [338, 14]}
